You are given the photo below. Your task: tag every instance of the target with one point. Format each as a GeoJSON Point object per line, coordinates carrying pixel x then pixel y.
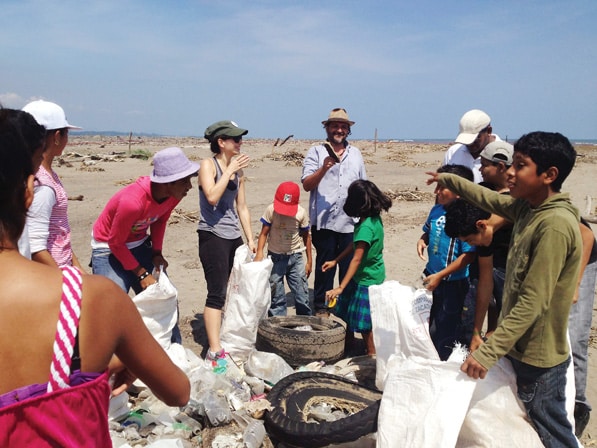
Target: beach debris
{"type": "Point", "coordinates": [292, 158]}
{"type": "Point", "coordinates": [179, 214]}
{"type": "Point", "coordinates": [410, 195]}
{"type": "Point", "coordinates": [286, 139]}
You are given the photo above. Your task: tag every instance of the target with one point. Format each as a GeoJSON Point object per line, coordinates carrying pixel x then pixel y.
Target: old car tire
{"type": "Point", "coordinates": [294, 394]}
{"type": "Point", "coordinates": [325, 342]}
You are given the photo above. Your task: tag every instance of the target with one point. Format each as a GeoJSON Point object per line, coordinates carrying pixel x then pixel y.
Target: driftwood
{"type": "Point", "coordinates": [286, 139]}
{"type": "Point", "coordinates": [187, 216]}
{"type": "Point", "coordinates": [410, 195]}
{"type": "Point", "coordinates": [292, 158]}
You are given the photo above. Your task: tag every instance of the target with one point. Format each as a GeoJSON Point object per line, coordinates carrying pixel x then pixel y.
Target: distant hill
{"type": "Point", "coordinates": [116, 133]}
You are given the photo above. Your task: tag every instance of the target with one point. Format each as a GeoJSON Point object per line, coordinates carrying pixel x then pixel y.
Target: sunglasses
{"type": "Point", "coordinates": [237, 139]}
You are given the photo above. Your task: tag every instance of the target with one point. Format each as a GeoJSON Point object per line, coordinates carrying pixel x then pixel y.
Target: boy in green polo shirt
{"type": "Point", "coordinates": [541, 275]}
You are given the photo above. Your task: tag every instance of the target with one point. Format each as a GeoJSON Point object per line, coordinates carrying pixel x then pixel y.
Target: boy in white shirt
{"type": "Point", "coordinates": [286, 230]}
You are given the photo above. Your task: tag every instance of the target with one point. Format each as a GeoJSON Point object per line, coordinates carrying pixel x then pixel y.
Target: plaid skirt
{"type": "Point", "coordinates": [353, 307]}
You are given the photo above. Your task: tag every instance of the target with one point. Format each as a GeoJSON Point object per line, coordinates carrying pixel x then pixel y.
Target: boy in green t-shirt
{"type": "Point", "coordinates": [541, 276]}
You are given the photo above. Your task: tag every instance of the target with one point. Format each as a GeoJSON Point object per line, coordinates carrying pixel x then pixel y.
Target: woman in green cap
{"type": "Point", "coordinates": [221, 187]}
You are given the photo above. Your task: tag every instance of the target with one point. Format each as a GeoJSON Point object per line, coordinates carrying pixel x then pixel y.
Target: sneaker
{"type": "Point", "coordinates": [216, 361]}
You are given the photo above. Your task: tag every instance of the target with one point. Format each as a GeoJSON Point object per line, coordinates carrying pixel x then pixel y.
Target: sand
{"type": "Point", "coordinates": [94, 168]}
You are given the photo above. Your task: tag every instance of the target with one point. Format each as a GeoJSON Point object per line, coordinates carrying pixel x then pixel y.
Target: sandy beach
{"type": "Point", "coordinates": [93, 168]}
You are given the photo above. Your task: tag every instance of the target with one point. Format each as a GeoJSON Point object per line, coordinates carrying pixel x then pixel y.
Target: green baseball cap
{"type": "Point", "coordinates": [226, 127]}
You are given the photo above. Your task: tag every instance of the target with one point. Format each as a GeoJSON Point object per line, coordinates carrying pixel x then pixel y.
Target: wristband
{"type": "Point", "coordinates": [143, 276]}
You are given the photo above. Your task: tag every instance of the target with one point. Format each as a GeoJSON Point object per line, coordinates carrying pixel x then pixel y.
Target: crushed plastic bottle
{"type": "Point", "coordinates": [254, 434]}
{"type": "Point", "coordinates": [216, 408]}
{"type": "Point", "coordinates": [193, 425]}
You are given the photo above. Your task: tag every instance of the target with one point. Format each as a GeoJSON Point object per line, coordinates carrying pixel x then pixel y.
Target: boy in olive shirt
{"type": "Point", "coordinates": [541, 275]}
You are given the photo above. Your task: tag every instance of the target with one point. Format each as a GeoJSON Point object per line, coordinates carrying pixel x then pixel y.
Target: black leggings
{"type": "Point", "coordinates": [216, 255]}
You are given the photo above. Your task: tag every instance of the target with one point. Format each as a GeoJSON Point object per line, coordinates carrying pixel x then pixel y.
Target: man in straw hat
{"type": "Point", "coordinates": [328, 170]}
{"type": "Point", "coordinates": [475, 132]}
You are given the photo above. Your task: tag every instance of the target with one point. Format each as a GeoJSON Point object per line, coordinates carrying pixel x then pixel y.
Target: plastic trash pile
{"type": "Point", "coordinates": [229, 395]}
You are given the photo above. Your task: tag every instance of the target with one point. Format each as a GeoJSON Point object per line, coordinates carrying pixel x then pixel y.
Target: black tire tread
{"type": "Point", "coordinates": [278, 335]}
{"type": "Point", "coordinates": [288, 398]}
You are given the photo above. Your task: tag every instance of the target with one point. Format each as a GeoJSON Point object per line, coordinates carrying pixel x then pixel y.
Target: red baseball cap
{"type": "Point", "coordinates": [287, 199]}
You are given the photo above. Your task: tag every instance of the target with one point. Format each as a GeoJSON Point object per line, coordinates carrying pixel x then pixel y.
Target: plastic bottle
{"type": "Point", "coordinates": [193, 425]}
{"type": "Point", "coordinates": [254, 434]}
{"type": "Point", "coordinates": [216, 408]}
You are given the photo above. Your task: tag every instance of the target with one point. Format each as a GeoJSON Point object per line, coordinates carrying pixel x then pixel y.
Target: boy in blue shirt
{"type": "Point", "coordinates": [446, 273]}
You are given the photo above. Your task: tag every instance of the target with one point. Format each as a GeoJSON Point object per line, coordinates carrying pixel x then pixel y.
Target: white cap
{"type": "Point", "coordinates": [471, 123]}
{"type": "Point", "coordinates": [50, 115]}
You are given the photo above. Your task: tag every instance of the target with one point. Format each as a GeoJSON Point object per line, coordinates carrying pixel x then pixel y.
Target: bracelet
{"type": "Point", "coordinates": [143, 276]}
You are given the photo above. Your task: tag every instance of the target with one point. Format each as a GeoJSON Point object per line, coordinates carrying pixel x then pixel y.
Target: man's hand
{"type": "Point", "coordinates": [433, 177]}
{"type": "Point", "coordinates": [473, 369]}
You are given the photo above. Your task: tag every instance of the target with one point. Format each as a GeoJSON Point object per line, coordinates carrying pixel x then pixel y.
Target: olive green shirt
{"type": "Point", "coordinates": [541, 274]}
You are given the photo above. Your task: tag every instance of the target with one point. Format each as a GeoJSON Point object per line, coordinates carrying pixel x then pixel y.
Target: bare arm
{"type": "Point", "coordinates": [111, 324]}
{"type": "Point", "coordinates": [484, 293]}
{"type": "Point", "coordinates": [357, 257]}
{"type": "Point", "coordinates": [422, 244]}
{"type": "Point", "coordinates": [261, 242]}
{"type": "Point", "coordinates": [44, 257]}
{"type": "Point", "coordinates": [432, 281]}
{"type": "Point", "coordinates": [244, 215]}
{"type": "Point", "coordinates": [588, 239]}
{"type": "Point", "coordinates": [213, 190]}
{"type": "Point", "coordinates": [308, 252]}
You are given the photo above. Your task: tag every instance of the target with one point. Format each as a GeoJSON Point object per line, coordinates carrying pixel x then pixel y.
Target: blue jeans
{"type": "Point", "coordinates": [103, 262]}
{"type": "Point", "coordinates": [579, 327]}
{"type": "Point", "coordinates": [543, 393]}
{"type": "Point", "coordinates": [293, 268]}
{"type": "Point", "coordinates": [499, 278]}
{"type": "Point", "coordinates": [328, 245]}
{"type": "Point", "coordinates": [445, 319]}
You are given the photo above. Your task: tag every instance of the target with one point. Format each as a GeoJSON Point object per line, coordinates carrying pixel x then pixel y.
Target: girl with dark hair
{"type": "Point", "coordinates": [224, 212]}
{"type": "Point", "coordinates": [60, 331]}
{"type": "Point", "coordinates": [364, 201]}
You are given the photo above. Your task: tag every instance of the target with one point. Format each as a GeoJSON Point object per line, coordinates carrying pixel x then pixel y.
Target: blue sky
{"type": "Point", "coordinates": [407, 69]}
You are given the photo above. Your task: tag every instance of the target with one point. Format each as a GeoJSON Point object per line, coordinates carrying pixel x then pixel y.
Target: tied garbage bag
{"type": "Point", "coordinates": [247, 302]}
{"type": "Point", "coordinates": [400, 318]}
{"type": "Point", "coordinates": [424, 401]}
{"type": "Point", "coordinates": [158, 306]}
{"type": "Point", "coordinates": [495, 416]}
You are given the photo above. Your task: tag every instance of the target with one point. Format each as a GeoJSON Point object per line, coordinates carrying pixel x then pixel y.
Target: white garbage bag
{"type": "Point", "coordinates": [495, 416]}
{"type": "Point", "coordinates": [158, 306]}
{"type": "Point", "coordinates": [400, 318]}
{"type": "Point", "coordinates": [247, 302]}
{"type": "Point", "coordinates": [424, 401]}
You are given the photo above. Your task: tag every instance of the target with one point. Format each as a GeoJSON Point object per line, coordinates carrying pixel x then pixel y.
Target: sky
{"type": "Point", "coordinates": [408, 70]}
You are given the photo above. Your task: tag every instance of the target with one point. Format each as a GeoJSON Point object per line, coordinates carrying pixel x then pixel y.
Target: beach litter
{"type": "Point", "coordinates": [226, 408]}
